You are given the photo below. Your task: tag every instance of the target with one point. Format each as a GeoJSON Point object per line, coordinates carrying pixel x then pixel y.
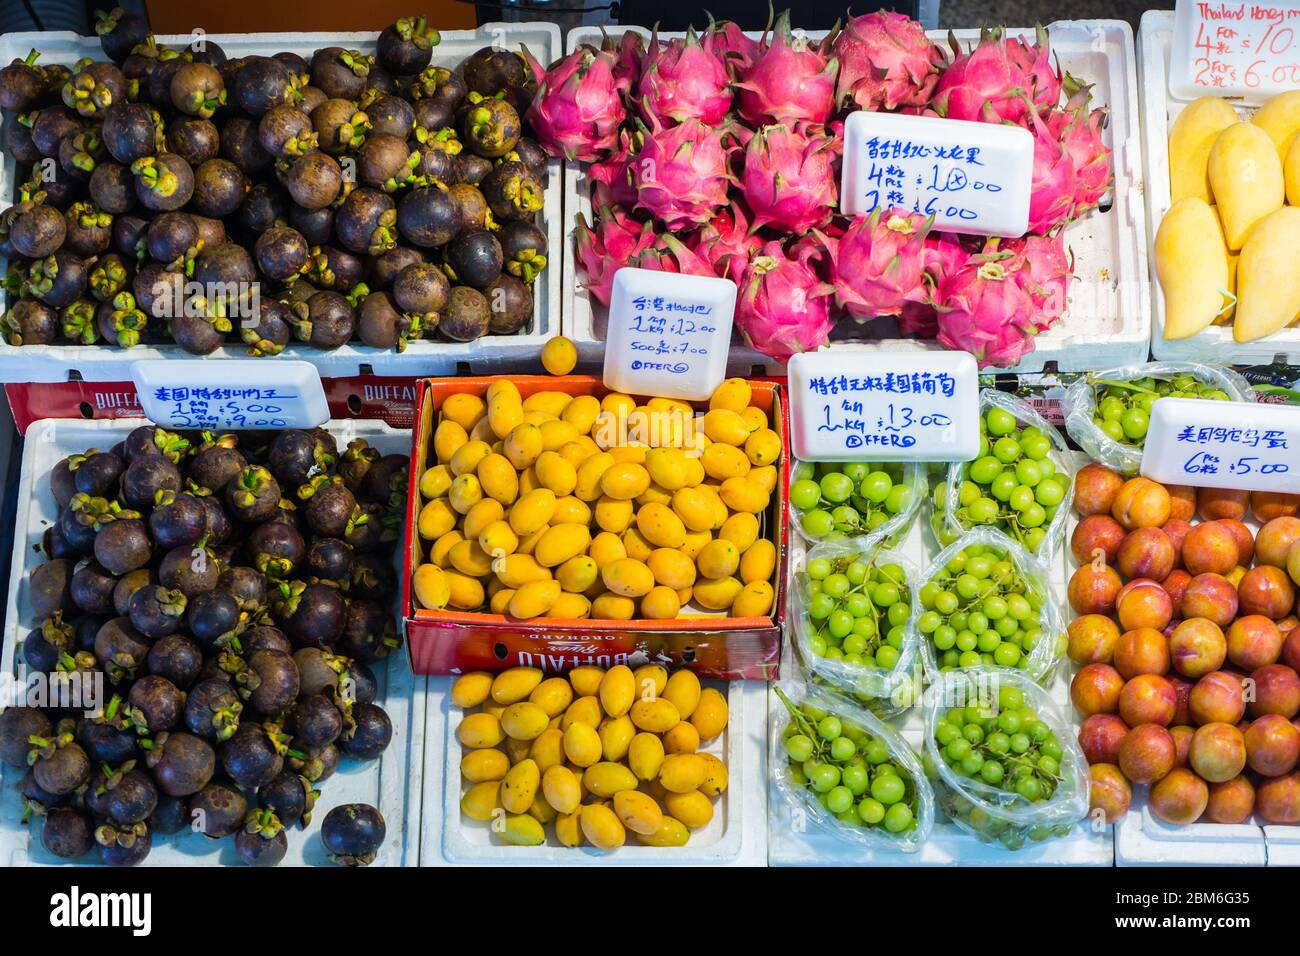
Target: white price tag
{"type": "Point", "coordinates": [668, 334]}
{"type": "Point", "coordinates": [227, 394]}
{"type": "Point", "coordinates": [884, 406]}
{"type": "Point", "coordinates": [1245, 445]}
{"type": "Point", "coordinates": [1233, 48]}
{"type": "Point", "coordinates": [972, 177]}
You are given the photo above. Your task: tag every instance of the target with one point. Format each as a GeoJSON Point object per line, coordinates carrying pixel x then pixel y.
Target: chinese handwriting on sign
{"type": "Point", "coordinates": [208, 406]}
{"type": "Point", "coordinates": [935, 189]}
{"type": "Point", "coordinates": [665, 334]}
{"type": "Point", "coordinates": [896, 425]}
{"type": "Point", "coordinates": [1231, 445]}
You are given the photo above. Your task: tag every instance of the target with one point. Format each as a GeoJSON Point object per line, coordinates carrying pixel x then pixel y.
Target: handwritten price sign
{"type": "Point", "coordinates": [231, 394]}
{"type": "Point", "coordinates": [1243, 445]}
{"type": "Point", "coordinates": [1235, 49]}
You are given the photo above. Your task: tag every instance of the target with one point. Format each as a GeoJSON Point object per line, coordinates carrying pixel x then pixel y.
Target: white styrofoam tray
{"type": "Point", "coordinates": [492, 353]}
{"type": "Point", "coordinates": [387, 783]}
{"type": "Point", "coordinates": [1107, 321]}
{"type": "Point", "coordinates": [736, 836]}
{"type": "Point", "coordinates": [1159, 110]}
{"type": "Point", "coordinates": [948, 845]}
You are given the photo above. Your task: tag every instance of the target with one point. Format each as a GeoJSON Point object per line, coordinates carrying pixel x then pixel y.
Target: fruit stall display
{"type": "Point", "coordinates": [681, 177]}
{"type": "Point", "coordinates": [382, 188]}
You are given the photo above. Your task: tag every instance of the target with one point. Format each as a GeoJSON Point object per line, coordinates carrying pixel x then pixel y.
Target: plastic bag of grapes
{"type": "Point", "coordinates": [1107, 412]}
{"type": "Point", "coordinates": [986, 602]}
{"type": "Point", "coordinates": [1002, 759]}
{"type": "Point", "coordinates": [1020, 483]}
{"type": "Point", "coordinates": [852, 605]}
{"type": "Point", "coordinates": [847, 770]}
{"type": "Point", "coordinates": [876, 500]}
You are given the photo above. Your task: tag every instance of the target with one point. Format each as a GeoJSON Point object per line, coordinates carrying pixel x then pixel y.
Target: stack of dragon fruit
{"type": "Point", "coordinates": [719, 155]}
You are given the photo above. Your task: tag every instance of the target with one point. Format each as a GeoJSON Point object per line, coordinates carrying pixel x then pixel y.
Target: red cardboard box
{"type": "Point", "coordinates": [449, 641]}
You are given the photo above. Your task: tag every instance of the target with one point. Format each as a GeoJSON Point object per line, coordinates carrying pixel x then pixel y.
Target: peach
{"type": "Point", "coordinates": [1217, 697]}
{"type": "Point", "coordinates": [1148, 699]}
{"type": "Point", "coordinates": [1096, 534]}
{"type": "Point", "coordinates": [1272, 745]}
{"type": "Point", "coordinates": [1141, 503]}
{"type": "Point", "coordinates": [1291, 649]}
{"type": "Point", "coordinates": [1175, 530]}
{"type": "Point", "coordinates": [1275, 539]}
{"type": "Point", "coordinates": [1142, 650]}
{"type": "Point", "coordinates": [1266, 590]}
{"type": "Point", "coordinates": [1182, 502]}
{"type": "Point", "coordinates": [1143, 603]}
{"type": "Point", "coordinates": [1176, 585]}
{"type": "Point", "coordinates": [1091, 639]}
{"type": "Point", "coordinates": [1232, 801]}
{"type": "Point", "coordinates": [1218, 752]}
{"type": "Point", "coordinates": [1100, 736]}
{"type": "Point", "coordinates": [1182, 735]}
{"type": "Point", "coordinates": [1095, 487]}
{"type": "Point", "coordinates": [1212, 597]}
{"type": "Point", "coordinates": [1096, 689]}
{"type": "Point", "coordinates": [1147, 753]}
{"type": "Point", "coordinates": [1109, 792]}
{"type": "Point", "coordinates": [1092, 589]}
{"type": "Point", "coordinates": [1244, 537]}
{"type": "Point", "coordinates": [1197, 647]}
{"type": "Point", "coordinates": [1270, 505]}
{"type": "Point", "coordinates": [1215, 503]}
{"type": "Point", "coordinates": [1253, 641]}
{"type": "Point", "coordinates": [1293, 562]}
{"type": "Point", "coordinates": [1276, 691]}
{"type": "Point", "coordinates": [1145, 553]}
{"type": "Point", "coordinates": [1210, 547]}
{"type": "Point", "coordinates": [1179, 798]}
{"type": "Point", "coordinates": [1278, 800]}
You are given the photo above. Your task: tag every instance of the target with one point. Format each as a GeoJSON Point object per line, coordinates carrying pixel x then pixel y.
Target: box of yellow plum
{"type": "Point", "coordinates": [557, 524]}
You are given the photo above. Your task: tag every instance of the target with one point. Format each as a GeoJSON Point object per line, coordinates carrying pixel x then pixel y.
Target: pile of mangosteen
{"type": "Point", "coordinates": [206, 621]}
{"type": "Point", "coordinates": [375, 198]}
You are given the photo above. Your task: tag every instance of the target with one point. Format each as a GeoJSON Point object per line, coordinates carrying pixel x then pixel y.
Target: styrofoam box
{"type": "Point", "coordinates": [387, 783]}
{"type": "Point", "coordinates": [1159, 110]}
{"type": "Point", "coordinates": [1107, 319]}
{"type": "Point", "coordinates": [104, 363]}
{"type": "Point", "coordinates": [948, 844]}
{"type": "Point", "coordinates": [736, 836]}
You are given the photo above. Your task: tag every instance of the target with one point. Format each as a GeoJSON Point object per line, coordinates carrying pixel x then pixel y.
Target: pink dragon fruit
{"type": "Point", "coordinates": [1043, 268]}
{"type": "Point", "coordinates": [726, 242]}
{"type": "Point", "coordinates": [1042, 82]}
{"type": "Point", "coordinates": [987, 75]}
{"type": "Point", "coordinates": [615, 172]}
{"type": "Point", "coordinates": [578, 107]}
{"type": "Point", "coordinates": [788, 179]}
{"type": "Point", "coordinates": [942, 256]}
{"type": "Point", "coordinates": [737, 50]}
{"type": "Point", "coordinates": [886, 62]}
{"type": "Point", "coordinates": [681, 174]}
{"type": "Point", "coordinates": [985, 311]}
{"type": "Point", "coordinates": [783, 307]}
{"type": "Point", "coordinates": [684, 80]}
{"type": "Point", "coordinates": [629, 55]}
{"type": "Point", "coordinates": [1052, 189]}
{"type": "Point", "coordinates": [617, 241]}
{"type": "Point", "coordinates": [878, 265]}
{"type": "Point", "coordinates": [1079, 132]}
{"type": "Point", "coordinates": [919, 319]}
{"type": "Point", "coordinates": [788, 82]}
{"type": "Point", "coordinates": [670, 254]}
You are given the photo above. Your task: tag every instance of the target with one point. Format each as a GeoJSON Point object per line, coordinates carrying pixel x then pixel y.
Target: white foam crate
{"type": "Point", "coordinates": [389, 783]}
{"type": "Point", "coordinates": [736, 836]}
{"type": "Point", "coordinates": [948, 844]}
{"type": "Point", "coordinates": [1159, 110]}
{"type": "Point", "coordinates": [1107, 320]}
{"type": "Point", "coordinates": [492, 353]}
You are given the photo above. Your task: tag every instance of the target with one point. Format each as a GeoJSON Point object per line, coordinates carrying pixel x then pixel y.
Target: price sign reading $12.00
{"type": "Point", "coordinates": [1243, 445]}
{"type": "Point", "coordinates": [1233, 48]}
{"type": "Point", "coordinates": [231, 394]}
{"type": "Point", "coordinates": [884, 406]}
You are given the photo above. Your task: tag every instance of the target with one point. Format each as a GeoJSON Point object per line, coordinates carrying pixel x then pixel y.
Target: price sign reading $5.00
{"type": "Point", "coordinates": [231, 394]}
{"type": "Point", "coordinates": [1248, 446]}
{"type": "Point", "coordinates": [1235, 49]}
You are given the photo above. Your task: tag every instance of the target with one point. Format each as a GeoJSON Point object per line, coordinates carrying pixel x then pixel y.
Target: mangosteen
{"type": "Point", "coordinates": [77, 322]}
{"type": "Point", "coordinates": [17, 139]}
{"type": "Point", "coordinates": [261, 842]}
{"type": "Point", "coordinates": [55, 545]}
{"type": "Point", "coordinates": [213, 618]}
{"type": "Point", "coordinates": [219, 188]}
{"type": "Point", "coordinates": [437, 154]}
{"type": "Point", "coordinates": [122, 320]}
{"type": "Point", "coordinates": [37, 800]}
{"type": "Point", "coordinates": [254, 756]}
{"type": "Point", "coordinates": [182, 764]}
{"type": "Point", "coordinates": [218, 810]}
{"type": "Point", "coordinates": [429, 216]}
{"type": "Point", "coordinates": [272, 681]}
{"type": "Point", "coordinates": [311, 615]}
{"type": "Point", "coordinates": [197, 89]}
{"type": "Point", "coordinates": [194, 139]}
{"type": "Point", "coordinates": [329, 561]}
{"type": "Point", "coordinates": [325, 321]}
{"type": "Point", "coordinates": [120, 649]}
{"type": "Point", "coordinates": [383, 270]}
{"type": "Point", "coordinates": [314, 180]}
{"type": "Point", "coordinates": [468, 315]}
{"type": "Point", "coordinates": [386, 162]}
{"type": "Point", "coordinates": [340, 126]}
{"type": "Point", "coordinates": [120, 32]}
{"type": "Point", "coordinates": [46, 644]}
{"type": "Point", "coordinates": [50, 125]}
{"type": "Point", "coordinates": [93, 87]}
{"type": "Point", "coordinates": [66, 833]}
{"type": "Point", "coordinates": [262, 84]}
{"type": "Point", "coordinates": [37, 230]}
{"type": "Point", "coordinates": [88, 230]}
{"type": "Point", "coordinates": [513, 191]}
{"type": "Point", "coordinates": [177, 658]}
{"type": "Point", "coordinates": [123, 544]}
{"type": "Point", "coordinates": [50, 588]}
{"type": "Point", "coordinates": [216, 462]}
{"type": "Point", "coordinates": [171, 236]}
{"type": "Point", "coordinates": [254, 494]}
{"type": "Point", "coordinates": [220, 528]}
{"type": "Point", "coordinates": [353, 833]}
{"type": "Point", "coordinates": [272, 330]}
{"type": "Point", "coordinates": [157, 611]}
{"type": "Point", "coordinates": [131, 795]}
{"type": "Point", "coordinates": [17, 725]}
{"type": "Point", "coordinates": [318, 670]}
{"type": "Point", "coordinates": [315, 767]}
{"type": "Point", "coordinates": [405, 47]}
{"type": "Point", "coordinates": [265, 205]}
{"type": "Point", "coordinates": [330, 268]}
{"type": "Point", "coordinates": [439, 85]}
{"type": "Point", "coordinates": [156, 704]}
{"type": "Point", "coordinates": [381, 326]}
{"type": "Point", "coordinates": [388, 114]}
{"type": "Point", "coordinates": [372, 577]}
{"type": "Point", "coordinates": [240, 145]}
{"type": "Point", "coordinates": [59, 765]}
{"type": "Point", "coordinates": [366, 222]}
{"type": "Point", "coordinates": [129, 239]}
{"type": "Point", "coordinates": [146, 480]}
{"type": "Point", "coordinates": [79, 153]}
{"type": "Point", "coordinates": [490, 70]}
{"type": "Point", "coordinates": [112, 187]}
{"type": "Point", "coordinates": [80, 521]}
{"type": "Point", "coordinates": [177, 520]}
{"type": "Point", "coordinates": [199, 334]}
{"type": "Point", "coordinates": [246, 586]}
{"type": "Point", "coordinates": [109, 737]}
{"type": "Point", "coordinates": [212, 709]}
{"type": "Point", "coordinates": [57, 280]}
{"type": "Point", "coordinates": [474, 258]}
{"type": "Point", "coordinates": [30, 322]}
{"type": "Point", "coordinates": [226, 264]}
{"type": "Point", "coordinates": [511, 303]}
{"type": "Point", "coordinates": [192, 570]}
{"type": "Point", "coordinates": [131, 131]}
{"type": "Point", "coordinates": [524, 249]}
{"type": "Point", "coordinates": [22, 83]}
{"type": "Point", "coordinates": [291, 797]}
{"type": "Point", "coordinates": [422, 290]}
{"type": "Point", "coordinates": [310, 97]}
{"type": "Point", "coordinates": [372, 527]}
{"type": "Point", "coordinates": [491, 127]}
{"type": "Point", "coordinates": [532, 155]}
{"type": "Point", "coordinates": [121, 845]}
{"type": "Point", "coordinates": [315, 722]}
{"type": "Point", "coordinates": [355, 462]}
{"type": "Point", "coordinates": [360, 681]}
{"type": "Point", "coordinates": [470, 204]}
{"type": "Point", "coordinates": [171, 815]}
{"type": "Point", "coordinates": [276, 549]}
{"type": "Point", "coordinates": [371, 734]}
{"type": "Point", "coordinates": [340, 73]}
{"type": "Point", "coordinates": [92, 587]}
{"type": "Point", "coordinates": [286, 131]}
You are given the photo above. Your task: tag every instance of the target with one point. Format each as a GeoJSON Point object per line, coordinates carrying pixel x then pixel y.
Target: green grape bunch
{"type": "Point", "coordinates": [857, 610]}
{"type": "Point", "coordinates": [839, 500]}
{"type": "Point", "coordinates": [1122, 409]}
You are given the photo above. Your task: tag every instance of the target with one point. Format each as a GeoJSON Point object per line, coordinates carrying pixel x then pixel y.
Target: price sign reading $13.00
{"type": "Point", "coordinates": [231, 394]}
{"type": "Point", "coordinates": [1243, 445]}
{"type": "Point", "coordinates": [1233, 48]}
{"type": "Point", "coordinates": [884, 406]}
{"type": "Point", "coordinates": [668, 334]}
{"type": "Point", "coordinates": [971, 177]}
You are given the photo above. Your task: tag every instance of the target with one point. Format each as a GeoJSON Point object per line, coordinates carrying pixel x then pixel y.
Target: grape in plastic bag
{"type": "Point", "coordinates": [836, 501]}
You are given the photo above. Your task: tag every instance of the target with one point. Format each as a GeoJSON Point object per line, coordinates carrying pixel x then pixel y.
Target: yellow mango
{"type": "Point", "coordinates": [480, 730]}
{"type": "Point", "coordinates": [682, 738]}
{"type": "Point", "coordinates": [568, 829]}
{"type": "Point", "coordinates": [606, 778]}
{"type": "Point", "coordinates": [560, 543]}
{"type": "Point", "coordinates": [582, 744]}
{"type": "Point", "coordinates": [480, 765]}
{"type": "Point", "coordinates": [1280, 118]}
{"type": "Point", "coordinates": [466, 592]}
{"type": "Point", "coordinates": [548, 749]}
{"type": "Point", "coordinates": [694, 809]}
{"type": "Point", "coordinates": [464, 409]}
{"type": "Point", "coordinates": [524, 720]}
{"type": "Point", "coordinates": [515, 684]}
{"type": "Point", "coordinates": [613, 607]}
{"type": "Point", "coordinates": [638, 812]}
{"type": "Point", "coordinates": [520, 787]}
{"type": "Point", "coordinates": [1268, 277]}
{"type": "Point", "coordinates": [448, 437]}
{"type": "Point", "coordinates": [534, 599]}
{"type": "Point", "coordinates": [715, 782]}
{"type": "Point", "coordinates": [656, 716]}
{"type": "Point", "coordinates": [645, 756]}
{"type": "Point", "coordinates": [471, 689]}
{"type": "Point", "coordinates": [602, 827]}
{"type": "Point", "coordinates": [683, 689]}
{"type": "Point", "coordinates": [671, 832]}
{"type": "Point", "coordinates": [754, 600]}
{"type": "Point", "coordinates": [435, 481]}
{"type": "Point", "coordinates": [1246, 180]}
{"type": "Point", "coordinates": [758, 563]}
{"type": "Point", "coordinates": [569, 607]}
{"type": "Point", "coordinates": [561, 789]}
{"type": "Point", "coordinates": [617, 690]}
{"type": "Point", "coordinates": [1291, 175]}
{"type": "Point", "coordinates": [682, 773]}
{"type": "Point", "coordinates": [710, 716]}
{"type": "Point", "coordinates": [481, 800]}
{"type": "Point", "coordinates": [432, 589]}
{"type": "Point", "coordinates": [1192, 267]}
{"type": "Point", "coordinates": [1190, 140]}
{"type": "Point", "coordinates": [616, 734]}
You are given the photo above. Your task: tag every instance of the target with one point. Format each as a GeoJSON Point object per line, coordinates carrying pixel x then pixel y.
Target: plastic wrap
{"type": "Point", "coordinates": [802, 800]}
{"type": "Point", "coordinates": [1045, 656]}
{"type": "Point", "coordinates": [885, 693]}
{"type": "Point", "coordinates": [1081, 402]}
{"type": "Point", "coordinates": [990, 813]}
{"type": "Point", "coordinates": [894, 529]}
{"type": "Point", "coordinates": [946, 524]}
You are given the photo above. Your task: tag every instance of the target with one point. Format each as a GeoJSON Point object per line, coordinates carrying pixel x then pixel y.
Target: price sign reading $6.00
{"type": "Point", "coordinates": [231, 394]}
{"type": "Point", "coordinates": [1243, 445]}
{"type": "Point", "coordinates": [1234, 49]}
